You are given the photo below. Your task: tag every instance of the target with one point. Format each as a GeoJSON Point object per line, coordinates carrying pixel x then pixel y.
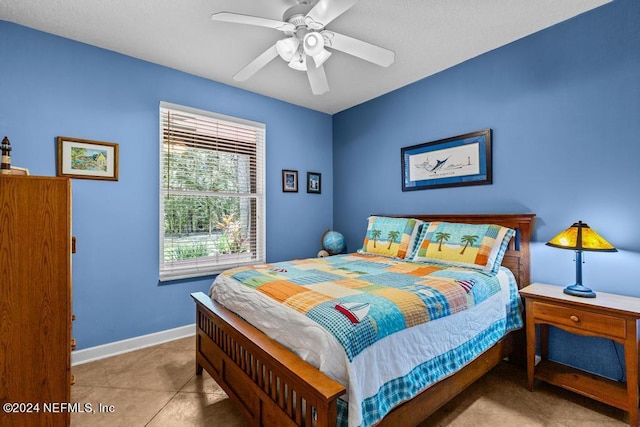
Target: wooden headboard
{"type": "Point", "coordinates": [517, 257]}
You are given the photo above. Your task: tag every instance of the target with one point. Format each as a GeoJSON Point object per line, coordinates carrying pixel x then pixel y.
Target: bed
{"type": "Point", "coordinates": [272, 385]}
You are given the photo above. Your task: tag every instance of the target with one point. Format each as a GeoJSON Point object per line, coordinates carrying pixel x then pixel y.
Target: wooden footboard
{"type": "Point", "coordinates": [270, 384]}
{"type": "Point", "coordinates": [274, 387]}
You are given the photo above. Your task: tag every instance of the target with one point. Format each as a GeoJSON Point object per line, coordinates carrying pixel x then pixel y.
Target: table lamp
{"type": "Point", "coordinates": [580, 237]}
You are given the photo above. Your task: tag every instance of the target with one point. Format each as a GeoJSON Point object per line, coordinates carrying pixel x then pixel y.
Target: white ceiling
{"type": "Point", "coordinates": [427, 36]}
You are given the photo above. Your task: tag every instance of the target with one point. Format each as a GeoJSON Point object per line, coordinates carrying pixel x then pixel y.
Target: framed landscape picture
{"type": "Point", "coordinates": [452, 162]}
{"type": "Point", "coordinates": [83, 158]}
{"type": "Point", "coordinates": [289, 181]}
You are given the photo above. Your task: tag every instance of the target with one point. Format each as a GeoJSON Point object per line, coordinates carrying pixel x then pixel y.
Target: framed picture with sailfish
{"type": "Point", "coordinates": [452, 162]}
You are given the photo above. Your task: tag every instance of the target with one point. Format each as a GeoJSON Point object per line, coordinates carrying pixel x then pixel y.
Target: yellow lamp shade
{"type": "Point", "coordinates": [581, 237]}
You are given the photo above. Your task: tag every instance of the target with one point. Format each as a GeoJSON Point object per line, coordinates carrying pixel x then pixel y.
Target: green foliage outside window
{"type": "Point", "coordinates": [203, 215]}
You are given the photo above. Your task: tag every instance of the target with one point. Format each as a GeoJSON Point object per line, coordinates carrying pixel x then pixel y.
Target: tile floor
{"type": "Point", "coordinates": [157, 386]}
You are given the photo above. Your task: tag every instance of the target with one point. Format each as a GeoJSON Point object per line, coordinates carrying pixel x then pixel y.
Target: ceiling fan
{"type": "Point", "coordinates": [304, 48]}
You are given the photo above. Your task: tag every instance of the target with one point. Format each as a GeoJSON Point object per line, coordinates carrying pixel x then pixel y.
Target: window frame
{"type": "Point", "coordinates": [210, 265]}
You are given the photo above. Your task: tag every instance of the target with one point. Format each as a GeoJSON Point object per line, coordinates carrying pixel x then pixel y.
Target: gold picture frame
{"type": "Point", "coordinates": [87, 159]}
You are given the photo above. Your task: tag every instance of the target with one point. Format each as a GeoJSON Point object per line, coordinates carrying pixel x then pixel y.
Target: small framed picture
{"type": "Point", "coordinates": [289, 181]}
{"type": "Point", "coordinates": [83, 158]}
{"type": "Point", "coordinates": [314, 181]}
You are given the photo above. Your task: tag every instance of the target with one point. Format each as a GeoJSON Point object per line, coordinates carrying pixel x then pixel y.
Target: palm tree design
{"type": "Point", "coordinates": [442, 237]}
{"type": "Point", "coordinates": [467, 240]}
{"type": "Point", "coordinates": [375, 235]}
{"type": "Point", "coordinates": [392, 236]}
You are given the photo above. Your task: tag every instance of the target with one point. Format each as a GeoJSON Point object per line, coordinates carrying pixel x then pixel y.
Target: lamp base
{"type": "Point", "coordinates": [579, 290]}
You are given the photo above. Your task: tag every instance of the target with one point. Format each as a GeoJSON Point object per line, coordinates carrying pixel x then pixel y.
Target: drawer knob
{"type": "Point", "coordinates": [574, 318]}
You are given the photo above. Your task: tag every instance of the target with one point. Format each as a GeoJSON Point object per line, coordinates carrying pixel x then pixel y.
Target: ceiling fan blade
{"type": "Point", "coordinates": [358, 48]}
{"type": "Point", "coordinates": [238, 18]}
{"type": "Point", "coordinates": [326, 11]}
{"type": "Point", "coordinates": [255, 65]}
{"type": "Point", "coordinates": [317, 78]}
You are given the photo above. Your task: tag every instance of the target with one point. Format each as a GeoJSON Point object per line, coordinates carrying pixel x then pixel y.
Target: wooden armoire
{"type": "Point", "coordinates": [35, 300]}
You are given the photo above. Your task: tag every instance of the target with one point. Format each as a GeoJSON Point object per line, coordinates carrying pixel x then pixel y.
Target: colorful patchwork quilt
{"type": "Point", "coordinates": [361, 299]}
{"type": "Point", "coordinates": [383, 312]}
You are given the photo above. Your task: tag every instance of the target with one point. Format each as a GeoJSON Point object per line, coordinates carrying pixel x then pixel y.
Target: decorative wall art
{"type": "Point", "coordinates": [289, 181]}
{"type": "Point", "coordinates": [452, 162]}
{"type": "Point", "coordinates": [314, 182]}
{"type": "Point", "coordinates": [83, 158]}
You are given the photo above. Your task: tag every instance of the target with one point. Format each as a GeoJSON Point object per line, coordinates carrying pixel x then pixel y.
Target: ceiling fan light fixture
{"type": "Point", "coordinates": [287, 48]}
{"type": "Point", "coordinates": [313, 43]}
{"type": "Point", "coordinates": [306, 39]}
{"type": "Point", "coordinates": [299, 62]}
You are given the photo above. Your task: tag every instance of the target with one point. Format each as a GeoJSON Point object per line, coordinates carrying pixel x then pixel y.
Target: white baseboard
{"type": "Point", "coordinates": [86, 355]}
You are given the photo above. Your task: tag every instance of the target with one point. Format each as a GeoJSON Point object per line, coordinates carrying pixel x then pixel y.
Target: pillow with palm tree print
{"type": "Point", "coordinates": [393, 237]}
{"type": "Point", "coordinates": [477, 246]}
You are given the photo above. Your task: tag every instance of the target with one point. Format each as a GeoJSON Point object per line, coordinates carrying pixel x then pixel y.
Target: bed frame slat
{"type": "Point", "coordinates": [224, 348]}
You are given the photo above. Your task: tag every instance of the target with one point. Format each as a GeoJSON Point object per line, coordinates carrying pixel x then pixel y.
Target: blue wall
{"type": "Point", "coordinates": [564, 106]}
{"type": "Point", "coordinates": [50, 86]}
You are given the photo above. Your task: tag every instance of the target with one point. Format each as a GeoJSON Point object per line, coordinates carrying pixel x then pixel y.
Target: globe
{"type": "Point", "coordinates": [333, 242]}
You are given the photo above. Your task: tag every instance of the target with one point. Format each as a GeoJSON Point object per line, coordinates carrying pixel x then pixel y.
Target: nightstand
{"type": "Point", "coordinates": [609, 316]}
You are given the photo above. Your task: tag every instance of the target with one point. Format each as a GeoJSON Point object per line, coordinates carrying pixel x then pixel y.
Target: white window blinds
{"type": "Point", "coordinates": [212, 208]}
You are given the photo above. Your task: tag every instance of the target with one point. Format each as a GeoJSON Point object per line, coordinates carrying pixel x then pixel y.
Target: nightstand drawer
{"type": "Point", "coordinates": [580, 319]}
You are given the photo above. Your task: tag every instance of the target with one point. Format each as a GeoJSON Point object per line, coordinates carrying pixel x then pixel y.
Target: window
{"type": "Point", "coordinates": [212, 207]}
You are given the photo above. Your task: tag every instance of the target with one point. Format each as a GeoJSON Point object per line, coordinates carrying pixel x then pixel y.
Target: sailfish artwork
{"type": "Point", "coordinates": [432, 168]}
